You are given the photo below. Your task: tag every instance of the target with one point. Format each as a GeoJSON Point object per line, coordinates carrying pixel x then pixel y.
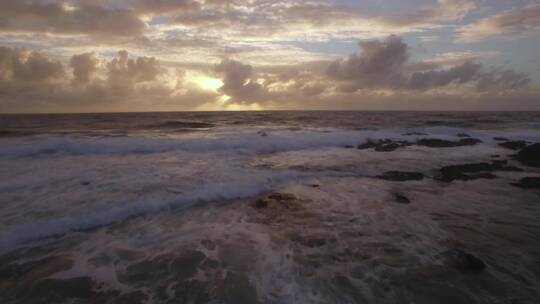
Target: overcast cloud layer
{"type": "Point", "coordinates": [168, 55]}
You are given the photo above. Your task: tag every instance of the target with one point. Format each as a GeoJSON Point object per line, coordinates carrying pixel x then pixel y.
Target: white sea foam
{"type": "Point", "coordinates": [234, 140]}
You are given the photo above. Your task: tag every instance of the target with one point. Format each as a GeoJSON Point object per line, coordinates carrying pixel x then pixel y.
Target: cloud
{"type": "Point", "coordinates": [384, 64]}
{"type": "Point", "coordinates": [30, 80]}
{"type": "Point", "coordinates": [238, 82]}
{"type": "Point", "coordinates": [379, 64]}
{"type": "Point", "coordinates": [84, 67]}
{"type": "Point", "coordinates": [514, 23]}
{"type": "Point", "coordinates": [69, 17]}
{"type": "Point", "coordinates": [19, 65]}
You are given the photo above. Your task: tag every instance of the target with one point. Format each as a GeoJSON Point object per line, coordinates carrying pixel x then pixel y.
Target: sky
{"type": "Point", "coordinates": [212, 55]}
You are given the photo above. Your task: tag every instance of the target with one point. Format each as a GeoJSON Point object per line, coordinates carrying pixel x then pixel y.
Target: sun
{"type": "Point", "coordinates": [207, 83]}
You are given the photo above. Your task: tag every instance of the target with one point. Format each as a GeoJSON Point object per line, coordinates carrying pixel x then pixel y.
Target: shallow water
{"type": "Point", "coordinates": [163, 208]}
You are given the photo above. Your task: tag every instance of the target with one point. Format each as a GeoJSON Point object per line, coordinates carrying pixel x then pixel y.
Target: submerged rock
{"type": "Point", "coordinates": [474, 171]}
{"type": "Point", "coordinates": [462, 261]}
{"type": "Point", "coordinates": [401, 176]}
{"type": "Point", "coordinates": [383, 145]}
{"type": "Point", "coordinates": [401, 199]}
{"type": "Point", "coordinates": [530, 155]}
{"type": "Point", "coordinates": [528, 183]}
{"type": "Point", "coordinates": [442, 143]}
{"type": "Point", "coordinates": [514, 145]}
{"type": "Point", "coordinates": [237, 289]}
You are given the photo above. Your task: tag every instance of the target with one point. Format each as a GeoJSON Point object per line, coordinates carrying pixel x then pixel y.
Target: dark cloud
{"type": "Point", "coordinates": [68, 17]}
{"type": "Point", "coordinates": [384, 64]}
{"type": "Point", "coordinates": [238, 82]}
{"type": "Point", "coordinates": [84, 66]}
{"type": "Point", "coordinates": [19, 65]}
{"type": "Point", "coordinates": [379, 64]}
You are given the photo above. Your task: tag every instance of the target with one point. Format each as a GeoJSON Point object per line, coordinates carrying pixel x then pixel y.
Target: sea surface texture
{"type": "Point", "coordinates": [270, 207]}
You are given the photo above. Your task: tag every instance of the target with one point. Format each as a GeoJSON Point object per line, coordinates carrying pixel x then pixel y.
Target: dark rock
{"type": "Point", "coordinates": [530, 155]}
{"type": "Point", "coordinates": [147, 272]}
{"type": "Point", "coordinates": [383, 145]}
{"type": "Point", "coordinates": [388, 147]}
{"type": "Point", "coordinates": [348, 147]}
{"type": "Point", "coordinates": [473, 171]}
{"type": "Point", "coordinates": [61, 290]}
{"type": "Point", "coordinates": [514, 145]}
{"type": "Point", "coordinates": [315, 242]}
{"type": "Point", "coordinates": [401, 176]}
{"type": "Point", "coordinates": [281, 196]}
{"type": "Point", "coordinates": [209, 244]}
{"type": "Point", "coordinates": [261, 203]}
{"type": "Point", "coordinates": [262, 133]}
{"type": "Point", "coordinates": [441, 143]}
{"type": "Point", "coordinates": [85, 183]}
{"type": "Point", "coordinates": [463, 135]}
{"type": "Point", "coordinates": [528, 183]}
{"type": "Point", "coordinates": [414, 134]}
{"type": "Point", "coordinates": [463, 262]}
{"type": "Point", "coordinates": [186, 265]}
{"type": "Point", "coordinates": [500, 139]}
{"type": "Point", "coordinates": [192, 292]}
{"type": "Point", "coordinates": [495, 156]}
{"type": "Point", "coordinates": [237, 289]}
{"type": "Point", "coordinates": [402, 199]}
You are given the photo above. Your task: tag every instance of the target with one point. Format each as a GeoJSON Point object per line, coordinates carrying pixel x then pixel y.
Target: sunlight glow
{"type": "Point", "coordinates": [207, 83]}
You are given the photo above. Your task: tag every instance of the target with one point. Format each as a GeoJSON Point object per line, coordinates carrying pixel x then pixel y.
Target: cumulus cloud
{"type": "Point", "coordinates": [513, 23]}
{"type": "Point", "coordinates": [84, 67]}
{"type": "Point", "coordinates": [238, 82]}
{"type": "Point", "coordinates": [32, 80]}
{"type": "Point", "coordinates": [384, 64]}
{"type": "Point", "coordinates": [20, 65]}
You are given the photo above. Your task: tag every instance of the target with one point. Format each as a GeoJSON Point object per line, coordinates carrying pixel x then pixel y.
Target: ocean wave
{"type": "Point", "coordinates": [14, 235]}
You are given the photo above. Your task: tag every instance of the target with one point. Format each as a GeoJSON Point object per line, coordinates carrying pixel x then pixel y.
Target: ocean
{"type": "Point", "coordinates": [270, 207]}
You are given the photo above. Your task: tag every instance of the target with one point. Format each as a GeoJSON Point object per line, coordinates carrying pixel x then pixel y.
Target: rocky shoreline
{"type": "Point", "coordinates": [452, 232]}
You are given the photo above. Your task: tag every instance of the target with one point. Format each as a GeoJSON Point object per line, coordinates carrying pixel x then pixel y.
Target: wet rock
{"type": "Point", "coordinates": [514, 145]}
{"type": "Point", "coordinates": [262, 133]}
{"type": "Point", "coordinates": [463, 135]}
{"type": "Point", "coordinates": [187, 263]}
{"type": "Point", "coordinates": [528, 183]}
{"type": "Point", "coordinates": [401, 199]}
{"type": "Point", "coordinates": [342, 290]}
{"type": "Point", "coordinates": [237, 289]}
{"type": "Point", "coordinates": [495, 156]}
{"type": "Point", "coordinates": [192, 292]}
{"type": "Point", "coordinates": [136, 297]}
{"type": "Point", "coordinates": [281, 196]}
{"type": "Point", "coordinates": [383, 145]}
{"type": "Point", "coordinates": [209, 244]}
{"type": "Point", "coordinates": [414, 134]}
{"type": "Point", "coordinates": [60, 291]}
{"type": "Point", "coordinates": [442, 143]}
{"type": "Point", "coordinates": [348, 147]}
{"type": "Point", "coordinates": [147, 272]}
{"type": "Point", "coordinates": [500, 138]}
{"type": "Point", "coordinates": [388, 147]}
{"type": "Point", "coordinates": [85, 183]}
{"type": "Point", "coordinates": [474, 171]}
{"type": "Point", "coordinates": [315, 242]}
{"type": "Point", "coordinates": [401, 176]}
{"type": "Point", "coordinates": [530, 155]}
{"type": "Point", "coordinates": [462, 261]}
{"type": "Point", "coordinates": [261, 203]}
